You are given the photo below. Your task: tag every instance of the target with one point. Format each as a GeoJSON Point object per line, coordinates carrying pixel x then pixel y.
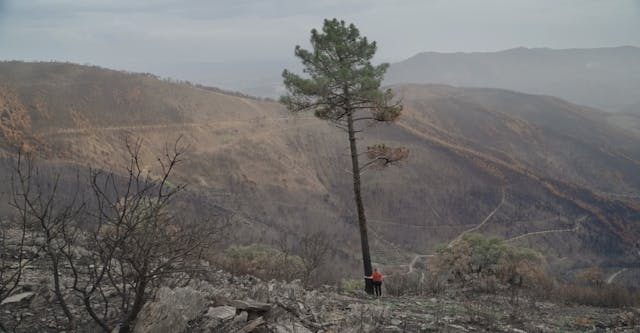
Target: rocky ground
{"type": "Point", "coordinates": [221, 302]}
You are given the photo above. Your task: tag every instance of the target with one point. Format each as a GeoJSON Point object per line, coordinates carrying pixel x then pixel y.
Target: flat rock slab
{"type": "Point", "coordinates": [222, 313]}
{"type": "Point", "coordinates": [392, 329]}
{"type": "Point", "coordinates": [251, 306]}
{"type": "Point", "coordinates": [18, 297]}
{"type": "Point", "coordinates": [293, 327]}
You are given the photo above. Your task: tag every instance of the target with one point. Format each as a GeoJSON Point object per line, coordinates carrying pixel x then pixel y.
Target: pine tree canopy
{"type": "Point", "coordinates": [341, 79]}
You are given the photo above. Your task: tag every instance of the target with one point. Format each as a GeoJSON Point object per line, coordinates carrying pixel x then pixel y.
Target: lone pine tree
{"type": "Point", "coordinates": [343, 87]}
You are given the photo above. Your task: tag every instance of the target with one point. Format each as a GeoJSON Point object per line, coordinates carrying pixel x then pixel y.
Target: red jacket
{"type": "Point", "coordinates": [376, 276]}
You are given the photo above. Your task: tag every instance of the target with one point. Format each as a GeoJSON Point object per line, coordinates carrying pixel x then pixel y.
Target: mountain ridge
{"type": "Point", "coordinates": [475, 153]}
{"type": "Point", "coordinates": [605, 78]}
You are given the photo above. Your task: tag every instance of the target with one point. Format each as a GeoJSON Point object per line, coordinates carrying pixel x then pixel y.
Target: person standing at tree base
{"type": "Point", "coordinates": [376, 277]}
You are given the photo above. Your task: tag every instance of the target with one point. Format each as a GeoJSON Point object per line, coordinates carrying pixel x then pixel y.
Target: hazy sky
{"type": "Point", "coordinates": [126, 33]}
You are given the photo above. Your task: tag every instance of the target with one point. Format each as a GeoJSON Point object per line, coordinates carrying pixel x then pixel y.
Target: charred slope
{"type": "Point", "coordinates": [536, 169]}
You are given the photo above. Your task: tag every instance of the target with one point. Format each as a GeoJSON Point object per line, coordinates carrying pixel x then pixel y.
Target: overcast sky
{"type": "Point", "coordinates": [126, 33]}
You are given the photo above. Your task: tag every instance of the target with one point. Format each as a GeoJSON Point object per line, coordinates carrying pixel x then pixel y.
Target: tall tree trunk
{"type": "Point", "coordinates": [362, 220]}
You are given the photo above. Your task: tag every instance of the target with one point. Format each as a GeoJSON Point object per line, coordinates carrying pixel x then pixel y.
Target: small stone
{"type": "Point", "coordinates": [223, 313]}
{"type": "Point", "coordinates": [28, 287]}
{"type": "Point", "coordinates": [458, 327]}
{"type": "Point", "coordinates": [212, 323]}
{"type": "Point", "coordinates": [292, 327]}
{"type": "Point", "coordinates": [391, 329]}
{"type": "Point", "coordinates": [242, 317]}
{"type": "Point", "coordinates": [219, 300]}
{"type": "Point", "coordinates": [396, 322]}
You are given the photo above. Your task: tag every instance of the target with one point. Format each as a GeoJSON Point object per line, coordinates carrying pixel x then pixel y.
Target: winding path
{"type": "Point", "coordinates": [230, 125]}
{"type": "Point", "coordinates": [414, 260]}
{"type": "Point", "coordinates": [486, 219]}
{"type": "Point", "coordinates": [413, 263]}
{"type": "Point", "coordinates": [543, 232]}
{"type": "Point", "coordinates": [613, 276]}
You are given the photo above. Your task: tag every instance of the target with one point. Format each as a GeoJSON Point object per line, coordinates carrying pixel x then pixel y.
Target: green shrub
{"type": "Point", "coordinates": [262, 261]}
{"type": "Point", "coordinates": [489, 263]}
{"type": "Point", "coordinates": [352, 285]}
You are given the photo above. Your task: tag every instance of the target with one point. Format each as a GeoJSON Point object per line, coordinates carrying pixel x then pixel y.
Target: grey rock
{"type": "Point", "coordinates": [516, 330]}
{"type": "Point", "coordinates": [391, 329]}
{"type": "Point", "coordinates": [171, 311]}
{"type": "Point", "coordinates": [17, 298]}
{"type": "Point", "coordinates": [212, 324]}
{"type": "Point", "coordinates": [251, 306]}
{"type": "Point", "coordinates": [219, 300]}
{"type": "Point", "coordinates": [292, 327]}
{"type": "Point", "coordinates": [242, 317]}
{"type": "Point", "coordinates": [222, 313]}
{"type": "Point", "coordinates": [458, 328]}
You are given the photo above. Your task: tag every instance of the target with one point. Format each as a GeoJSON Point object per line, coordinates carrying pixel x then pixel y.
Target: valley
{"type": "Point", "coordinates": [536, 170]}
{"type": "Point", "coordinates": [319, 167]}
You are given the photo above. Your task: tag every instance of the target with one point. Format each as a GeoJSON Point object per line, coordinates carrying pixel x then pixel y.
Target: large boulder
{"type": "Point", "coordinates": [171, 311]}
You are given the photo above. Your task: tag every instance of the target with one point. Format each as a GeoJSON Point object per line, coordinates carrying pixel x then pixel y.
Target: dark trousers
{"type": "Point", "coordinates": [377, 288]}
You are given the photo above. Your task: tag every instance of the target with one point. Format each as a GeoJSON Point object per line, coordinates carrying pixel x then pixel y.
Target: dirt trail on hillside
{"type": "Point", "coordinates": [543, 232]}
{"type": "Point", "coordinates": [486, 219]}
{"type": "Point", "coordinates": [90, 130]}
{"type": "Point", "coordinates": [418, 226]}
{"type": "Point", "coordinates": [557, 188]}
{"type": "Point", "coordinates": [613, 276]}
{"type": "Point", "coordinates": [413, 263]}
{"type": "Point", "coordinates": [221, 124]}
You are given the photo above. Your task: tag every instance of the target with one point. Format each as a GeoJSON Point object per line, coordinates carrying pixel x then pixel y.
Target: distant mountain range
{"type": "Point", "coordinates": [605, 78]}
{"type": "Point", "coordinates": [538, 170]}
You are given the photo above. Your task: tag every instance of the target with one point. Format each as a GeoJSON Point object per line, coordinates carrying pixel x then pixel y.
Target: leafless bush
{"type": "Point", "coordinates": [16, 252]}
{"type": "Point", "coordinates": [606, 296]}
{"type": "Point", "coordinates": [41, 207]}
{"type": "Point", "coordinates": [403, 284]}
{"type": "Point", "coordinates": [116, 246]}
{"type": "Point", "coordinates": [136, 240]}
{"type": "Point", "coordinates": [313, 248]}
{"type": "Point", "coordinates": [434, 282]}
